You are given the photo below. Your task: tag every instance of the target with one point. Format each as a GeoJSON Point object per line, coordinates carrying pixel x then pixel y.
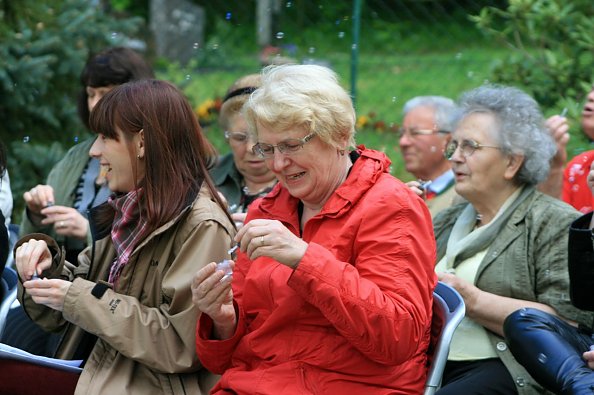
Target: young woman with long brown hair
{"type": "Point", "coordinates": [128, 298]}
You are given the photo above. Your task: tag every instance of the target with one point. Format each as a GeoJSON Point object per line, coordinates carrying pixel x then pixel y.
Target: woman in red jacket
{"type": "Point", "coordinates": [332, 288]}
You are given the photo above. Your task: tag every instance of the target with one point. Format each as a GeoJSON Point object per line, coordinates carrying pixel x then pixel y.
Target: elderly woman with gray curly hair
{"type": "Point", "coordinates": [506, 247]}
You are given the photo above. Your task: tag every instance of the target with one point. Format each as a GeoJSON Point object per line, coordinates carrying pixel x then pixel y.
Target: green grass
{"type": "Point", "coordinates": [385, 82]}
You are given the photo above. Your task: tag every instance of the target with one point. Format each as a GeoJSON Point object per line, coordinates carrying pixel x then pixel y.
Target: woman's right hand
{"type": "Point", "coordinates": [31, 258]}
{"type": "Point", "coordinates": [67, 221]}
{"type": "Point", "coordinates": [39, 197]}
{"type": "Point", "coordinates": [213, 296]}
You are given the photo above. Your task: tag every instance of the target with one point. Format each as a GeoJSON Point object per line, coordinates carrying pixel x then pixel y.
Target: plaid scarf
{"type": "Point", "coordinates": [127, 231]}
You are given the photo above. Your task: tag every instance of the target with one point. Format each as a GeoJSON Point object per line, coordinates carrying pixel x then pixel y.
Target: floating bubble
{"type": "Point", "coordinates": [195, 45]}
{"type": "Point", "coordinates": [114, 35]}
{"type": "Point", "coordinates": [311, 50]}
{"type": "Point", "coordinates": [280, 35]}
{"type": "Point", "coordinates": [188, 77]}
{"type": "Point", "coordinates": [340, 34]}
{"type": "Point", "coordinates": [228, 16]}
{"type": "Point", "coordinates": [75, 139]}
{"type": "Point", "coordinates": [542, 358]}
{"type": "Point", "coordinates": [289, 4]}
{"type": "Point", "coordinates": [459, 55]}
{"type": "Point", "coordinates": [215, 46]}
{"type": "Point", "coordinates": [394, 99]}
{"type": "Point", "coordinates": [26, 139]}
{"type": "Point", "coordinates": [470, 74]}
{"type": "Point", "coordinates": [354, 47]}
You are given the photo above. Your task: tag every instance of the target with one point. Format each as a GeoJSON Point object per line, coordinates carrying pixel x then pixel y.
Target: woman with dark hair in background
{"type": "Point", "coordinates": [75, 184]}
{"type": "Point", "coordinates": [126, 304]}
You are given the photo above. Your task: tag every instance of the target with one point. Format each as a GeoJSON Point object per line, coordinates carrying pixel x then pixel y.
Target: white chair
{"type": "Point", "coordinates": [448, 311]}
{"type": "Point", "coordinates": [8, 293]}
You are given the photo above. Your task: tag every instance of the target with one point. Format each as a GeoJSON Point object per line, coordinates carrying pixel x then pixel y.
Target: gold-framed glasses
{"type": "Point", "coordinates": [413, 133]}
{"type": "Point", "coordinates": [467, 148]}
{"type": "Point", "coordinates": [287, 147]}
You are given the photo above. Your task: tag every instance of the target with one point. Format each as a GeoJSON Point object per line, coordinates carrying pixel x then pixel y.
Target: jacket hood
{"type": "Point", "coordinates": [368, 166]}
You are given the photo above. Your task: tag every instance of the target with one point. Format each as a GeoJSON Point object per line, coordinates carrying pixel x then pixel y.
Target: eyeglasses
{"type": "Point", "coordinates": [413, 133]}
{"type": "Point", "coordinates": [287, 147]}
{"type": "Point", "coordinates": [237, 137]}
{"type": "Point", "coordinates": [467, 148]}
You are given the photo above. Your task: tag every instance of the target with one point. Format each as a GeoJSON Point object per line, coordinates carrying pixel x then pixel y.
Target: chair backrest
{"type": "Point", "coordinates": [13, 233]}
{"type": "Point", "coordinates": [448, 311]}
{"type": "Point", "coordinates": [8, 286]}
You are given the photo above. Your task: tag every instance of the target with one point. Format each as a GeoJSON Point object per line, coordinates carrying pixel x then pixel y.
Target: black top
{"type": "Point", "coordinates": [581, 263]}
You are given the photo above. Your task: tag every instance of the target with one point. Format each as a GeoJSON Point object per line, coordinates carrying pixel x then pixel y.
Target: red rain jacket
{"type": "Point", "coordinates": [354, 317]}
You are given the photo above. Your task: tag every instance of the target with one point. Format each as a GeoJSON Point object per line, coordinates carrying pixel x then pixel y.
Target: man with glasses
{"type": "Point", "coordinates": [423, 137]}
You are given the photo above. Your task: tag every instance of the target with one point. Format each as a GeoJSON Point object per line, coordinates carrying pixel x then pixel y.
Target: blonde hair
{"type": "Point", "coordinates": [307, 96]}
{"type": "Point", "coordinates": [236, 97]}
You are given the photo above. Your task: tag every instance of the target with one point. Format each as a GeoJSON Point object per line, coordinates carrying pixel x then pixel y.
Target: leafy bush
{"type": "Point", "coordinates": [553, 49]}
{"type": "Point", "coordinates": [43, 47]}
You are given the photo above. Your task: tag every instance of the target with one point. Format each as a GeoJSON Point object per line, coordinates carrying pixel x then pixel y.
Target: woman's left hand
{"type": "Point", "coordinates": [265, 237]}
{"type": "Point", "coordinates": [469, 292]}
{"type": "Point", "coordinates": [48, 292]}
{"type": "Point", "coordinates": [67, 221]}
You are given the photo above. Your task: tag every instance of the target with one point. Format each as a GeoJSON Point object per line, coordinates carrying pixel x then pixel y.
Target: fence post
{"type": "Point", "coordinates": [357, 4]}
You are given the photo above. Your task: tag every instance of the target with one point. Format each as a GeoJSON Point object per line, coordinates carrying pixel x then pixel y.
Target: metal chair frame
{"type": "Point", "coordinates": [448, 312]}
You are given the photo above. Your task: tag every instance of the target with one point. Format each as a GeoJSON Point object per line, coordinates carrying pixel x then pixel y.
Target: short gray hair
{"type": "Point", "coordinates": [520, 127]}
{"type": "Point", "coordinates": [444, 110]}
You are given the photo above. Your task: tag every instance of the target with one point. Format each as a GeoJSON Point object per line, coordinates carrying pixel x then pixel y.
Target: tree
{"type": "Point", "coordinates": [553, 48]}
{"type": "Point", "coordinates": [43, 47]}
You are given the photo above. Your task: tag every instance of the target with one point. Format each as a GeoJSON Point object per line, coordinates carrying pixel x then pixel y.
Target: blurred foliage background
{"type": "Point", "coordinates": [405, 48]}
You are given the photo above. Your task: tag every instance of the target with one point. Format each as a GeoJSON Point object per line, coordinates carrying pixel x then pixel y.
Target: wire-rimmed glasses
{"type": "Point", "coordinates": [413, 133]}
{"type": "Point", "coordinates": [287, 147]}
{"type": "Point", "coordinates": [237, 137]}
{"type": "Point", "coordinates": [467, 148]}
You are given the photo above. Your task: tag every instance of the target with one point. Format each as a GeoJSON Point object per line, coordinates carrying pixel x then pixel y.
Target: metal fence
{"type": "Point", "coordinates": [385, 51]}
